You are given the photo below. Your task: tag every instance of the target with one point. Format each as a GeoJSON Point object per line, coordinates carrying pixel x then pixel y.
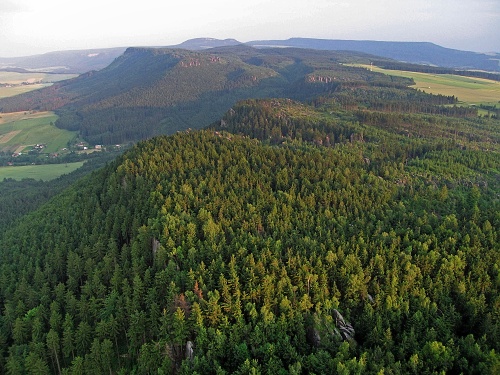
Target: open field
{"type": "Point", "coordinates": [18, 78]}
{"type": "Point", "coordinates": [20, 130]}
{"type": "Point", "coordinates": [5, 92]}
{"type": "Point", "coordinates": [38, 172]}
{"type": "Point", "coordinates": [35, 81]}
{"type": "Point", "coordinates": [469, 90]}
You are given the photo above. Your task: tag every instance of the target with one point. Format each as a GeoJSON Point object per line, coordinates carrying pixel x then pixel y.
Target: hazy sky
{"type": "Point", "coordinates": [30, 27]}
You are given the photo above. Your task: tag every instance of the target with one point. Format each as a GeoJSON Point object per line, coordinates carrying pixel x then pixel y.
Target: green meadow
{"type": "Point", "coordinates": [21, 130]}
{"type": "Point", "coordinates": [468, 90]}
{"type": "Point", "coordinates": [44, 172]}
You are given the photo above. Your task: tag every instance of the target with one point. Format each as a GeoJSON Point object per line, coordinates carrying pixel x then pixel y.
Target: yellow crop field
{"type": "Point", "coordinates": [13, 83]}
{"type": "Point", "coordinates": [469, 90]}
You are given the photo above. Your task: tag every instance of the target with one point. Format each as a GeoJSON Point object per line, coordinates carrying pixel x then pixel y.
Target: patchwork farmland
{"type": "Point", "coordinates": [21, 131]}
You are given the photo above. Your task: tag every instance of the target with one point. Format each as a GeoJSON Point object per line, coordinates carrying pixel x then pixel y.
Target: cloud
{"type": "Point", "coordinates": [34, 25]}
{"type": "Point", "coordinates": [7, 6]}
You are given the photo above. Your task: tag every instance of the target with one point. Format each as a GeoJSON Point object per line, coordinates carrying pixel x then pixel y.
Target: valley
{"type": "Point", "coordinates": [31, 146]}
{"type": "Point", "coordinates": [21, 132]}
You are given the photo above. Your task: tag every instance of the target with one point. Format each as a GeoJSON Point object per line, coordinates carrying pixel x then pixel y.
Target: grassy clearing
{"type": "Point", "coordinates": [36, 81]}
{"type": "Point", "coordinates": [5, 92]}
{"type": "Point", "coordinates": [20, 130]}
{"type": "Point", "coordinates": [18, 78]}
{"type": "Point", "coordinates": [468, 90]}
{"type": "Point", "coordinates": [38, 172]}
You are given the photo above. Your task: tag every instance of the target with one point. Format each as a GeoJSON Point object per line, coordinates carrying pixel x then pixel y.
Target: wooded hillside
{"type": "Point", "coordinates": [147, 92]}
{"type": "Point", "coordinates": [288, 238]}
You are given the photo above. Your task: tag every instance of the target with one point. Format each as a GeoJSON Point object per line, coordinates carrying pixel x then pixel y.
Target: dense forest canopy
{"type": "Point", "coordinates": [308, 243]}
{"type": "Point", "coordinates": [350, 226]}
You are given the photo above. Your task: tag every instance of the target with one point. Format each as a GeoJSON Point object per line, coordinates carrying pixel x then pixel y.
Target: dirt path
{"type": "Point", "coordinates": [4, 138]}
{"type": "Point", "coordinates": [20, 149]}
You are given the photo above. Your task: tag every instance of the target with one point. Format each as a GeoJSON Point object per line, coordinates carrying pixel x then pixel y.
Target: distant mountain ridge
{"type": "Point", "coordinates": [81, 61]}
{"type": "Point", "coordinates": [151, 91]}
{"type": "Point", "coordinates": [411, 52]}
{"type": "Point", "coordinates": [77, 61]}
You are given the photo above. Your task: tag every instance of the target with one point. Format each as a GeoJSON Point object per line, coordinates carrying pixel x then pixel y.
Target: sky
{"type": "Point", "coordinates": [29, 27]}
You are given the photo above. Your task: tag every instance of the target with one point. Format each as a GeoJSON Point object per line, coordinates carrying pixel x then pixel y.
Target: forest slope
{"type": "Point", "coordinates": [148, 92]}
{"type": "Point", "coordinates": [312, 241]}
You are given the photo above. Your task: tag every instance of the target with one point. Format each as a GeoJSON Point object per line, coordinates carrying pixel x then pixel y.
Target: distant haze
{"type": "Point", "coordinates": [29, 27]}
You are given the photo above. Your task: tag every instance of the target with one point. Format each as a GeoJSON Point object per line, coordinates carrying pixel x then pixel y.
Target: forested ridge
{"type": "Point", "coordinates": [424, 53]}
{"type": "Point", "coordinates": [325, 236]}
{"type": "Point", "coordinates": [147, 91]}
{"type": "Point", "coordinates": [413, 52]}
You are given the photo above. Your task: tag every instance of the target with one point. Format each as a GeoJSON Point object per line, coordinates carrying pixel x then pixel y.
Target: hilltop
{"type": "Point", "coordinates": [151, 91]}
{"type": "Point", "coordinates": [288, 237]}
{"type": "Point", "coordinates": [281, 211]}
{"type": "Point", "coordinates": [205, 43]}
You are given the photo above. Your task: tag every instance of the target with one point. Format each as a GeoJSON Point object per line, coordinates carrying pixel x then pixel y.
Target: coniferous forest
{"type": "Point", "coordinates": [353, 231]}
